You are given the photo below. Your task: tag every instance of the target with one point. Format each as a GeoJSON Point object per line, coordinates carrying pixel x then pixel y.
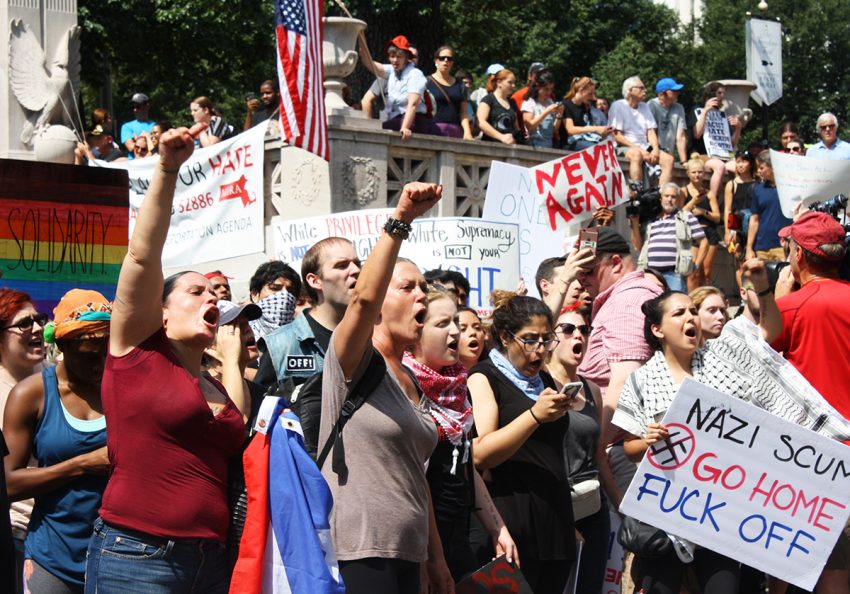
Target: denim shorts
{"type": "Point", "coordinates": [121, 561]}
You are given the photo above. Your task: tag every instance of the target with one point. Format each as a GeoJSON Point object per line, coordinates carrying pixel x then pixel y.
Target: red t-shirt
{"type": "Point", "coordinates": [169, 454]}
{"type": "Point", "coordinates": [816, 337]}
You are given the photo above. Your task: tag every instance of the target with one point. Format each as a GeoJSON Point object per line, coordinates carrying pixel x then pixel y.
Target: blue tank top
{"type": "Point", "coordinates": [62, 520]}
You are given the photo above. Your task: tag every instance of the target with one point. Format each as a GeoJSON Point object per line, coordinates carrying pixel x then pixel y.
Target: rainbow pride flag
{"type": "Point", "coordinates": [61, 227]}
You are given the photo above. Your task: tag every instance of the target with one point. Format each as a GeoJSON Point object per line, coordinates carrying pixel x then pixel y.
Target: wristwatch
{"type": "Point", "coordinates": [398, 227]}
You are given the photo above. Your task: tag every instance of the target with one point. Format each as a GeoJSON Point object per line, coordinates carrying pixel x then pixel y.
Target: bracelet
{"type": "Point", "coordinates": [533, 416]}
{"type": "Point", "coordinates": [164, 170]}
{"type": "Point", "coordinates": [765, 293]}
{"type": "Point", "coordinates": [398, 228]}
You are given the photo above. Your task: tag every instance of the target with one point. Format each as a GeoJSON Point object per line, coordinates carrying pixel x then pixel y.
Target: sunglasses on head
{"type": "Point", "coordinates": [568, 329]}
{"type": "Point", "coordinates": [28, 322]}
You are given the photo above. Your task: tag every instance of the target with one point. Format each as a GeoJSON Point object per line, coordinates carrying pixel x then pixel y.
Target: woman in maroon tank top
{"type": "Point", "coordinates": [172, 431]}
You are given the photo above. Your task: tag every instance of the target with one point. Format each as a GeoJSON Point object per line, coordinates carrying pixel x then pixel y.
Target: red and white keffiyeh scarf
{"type": "Point", "coordinates": [448, 398]}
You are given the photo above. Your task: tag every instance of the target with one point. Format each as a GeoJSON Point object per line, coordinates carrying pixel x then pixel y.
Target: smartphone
{"type": "Point", "coordinates": [571, 389]}
{"type": "Point", "coordinates": [250, 96]}
{"type": "Point", "coordinates": [587, 238]}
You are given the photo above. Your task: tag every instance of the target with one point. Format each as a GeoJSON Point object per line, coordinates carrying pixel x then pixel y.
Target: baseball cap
{"type": "Point", "coordinates": [96, 131]}
{"type": "Point", "coordinates": [230, 311]}
{"type": "Point", "coordinates": [814, 229]}
{"type": "Point", "coordinates": [216, 273]}
{"type": "Point", "coordinates": [536, 67]}
{"type": "Point", "coordinates": [139, 98]}
{"type": "Point", "coordinates": [399, 41]}
{"type": "Point", "coordinates": [494, 69]}
{"type": "Point", "coordinates": [610, 242]}
{"type": "Point", "coordinates": [668, 84]}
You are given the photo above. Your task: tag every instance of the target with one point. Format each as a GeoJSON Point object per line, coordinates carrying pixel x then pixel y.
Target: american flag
{"type": "Point", "coordinates": [301, 73]}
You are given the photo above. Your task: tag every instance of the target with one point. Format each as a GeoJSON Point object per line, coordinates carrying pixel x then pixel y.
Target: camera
{"type": "Point", "coordinates": [831, 207]}
{"type": "Point", "coordinates": [643, 203]}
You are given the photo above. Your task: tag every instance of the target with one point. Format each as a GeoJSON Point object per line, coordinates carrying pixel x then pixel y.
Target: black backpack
{"type": "Point", "coordinates": [305, 400]}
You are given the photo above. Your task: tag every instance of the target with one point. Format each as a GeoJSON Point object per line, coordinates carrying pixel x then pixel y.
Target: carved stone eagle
{"type": "Point", "coordinates": [41, 89]}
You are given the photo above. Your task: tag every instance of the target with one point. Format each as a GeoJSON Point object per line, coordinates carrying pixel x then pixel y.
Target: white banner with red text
{"type": "Point", "coordinates": [218, 204]}
{"type": "Point", "coordinates": [749, 485]}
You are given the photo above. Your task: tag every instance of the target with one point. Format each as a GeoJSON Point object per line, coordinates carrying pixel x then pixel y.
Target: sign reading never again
{"type": "Point", "coordinates": [744, 483]}
{"type": "Point", "coordinates": [61, 227]}
{"type": "Point", "coordinates": [486, 253]}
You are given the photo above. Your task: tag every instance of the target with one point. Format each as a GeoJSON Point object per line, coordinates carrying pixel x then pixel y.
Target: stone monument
{"type": "Point", "coordinates": [39, 79]}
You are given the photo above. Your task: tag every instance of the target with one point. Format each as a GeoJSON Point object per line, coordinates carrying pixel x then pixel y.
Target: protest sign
{"type": "Point", "coordinates": [61, 227]}
{"type": "Point", "coordinates": [807, 179]}
{"type": "Point", "coordinates": [574, 186]}
{"type": "Point", "coordinates": [511, 198]}
{"type": "Point", "coordinates": [716, 134]}
{"type": "Point", "coordinates": [612, 584]}
{"type": "Point", "coordinates": [218, 204]}
{"type": "Point", "coordinates": [485, 252]}
{"type": "Point", "coordinates": [744, 483]}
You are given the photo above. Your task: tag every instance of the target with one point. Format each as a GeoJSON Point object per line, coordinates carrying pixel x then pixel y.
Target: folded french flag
{"type": "Point", "coordinates": [286, 545]}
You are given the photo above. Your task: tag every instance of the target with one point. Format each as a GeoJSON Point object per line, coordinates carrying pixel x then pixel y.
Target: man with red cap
{"type": "Point", "coordinates": [406, 112]}
{"type": "Point", "coordinates": [816, 334]}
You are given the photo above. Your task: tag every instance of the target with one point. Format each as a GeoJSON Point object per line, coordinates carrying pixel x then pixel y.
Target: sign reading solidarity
{"type": "Point", "coordinates": [806, 179]}
{"type": "Point", "coordinates": [744, 483]}
{"type": "Point", "coordinates": [486, 253]}
{"type": "Point", "coordinates": [574, 186]}
{"type": "Point", "coordinates": [218, 204]}
{"type": "Point", "coordinates": [61, 227]}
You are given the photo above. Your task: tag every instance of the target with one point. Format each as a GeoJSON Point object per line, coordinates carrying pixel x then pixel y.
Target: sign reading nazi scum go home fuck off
{"type": "Point", "coordinates": [735, 479]}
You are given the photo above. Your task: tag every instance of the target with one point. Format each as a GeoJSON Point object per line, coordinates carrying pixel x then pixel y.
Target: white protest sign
{"type": "Point", "coordinates": [573, 187]}
{"type": "Point", "coordinates": [511, 198]}
{"type": "Point", "coordinates": [744, 483]}
{"type": "Point", "coordinates": [612, 584]}
{"type": "Point", "coordinates": [716, 135]}
{"type": "Point", "coordinates": [485, 252]}
{"type": "Point", "coordinates": [764, 59]}
{"type": "Point", "coordinates": [218, 204]}
{"type": "Point", "coordinates": [807, 179]}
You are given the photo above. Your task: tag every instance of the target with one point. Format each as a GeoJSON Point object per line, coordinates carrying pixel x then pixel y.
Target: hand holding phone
{"type": "Point", "coordinates": [587, 238]}
{"type": "Point", "coordinates": [571, 389]}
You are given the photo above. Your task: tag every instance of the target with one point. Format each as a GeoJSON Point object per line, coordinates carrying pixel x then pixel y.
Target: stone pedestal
{"type": "Point", "coordinates": [49, 20]}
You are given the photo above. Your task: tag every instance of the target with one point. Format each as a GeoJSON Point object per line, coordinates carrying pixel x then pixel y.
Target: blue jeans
{"type": "Point", "coordinates": [121, 561]}
{"type": "Point", "coordinates": [676, 282]}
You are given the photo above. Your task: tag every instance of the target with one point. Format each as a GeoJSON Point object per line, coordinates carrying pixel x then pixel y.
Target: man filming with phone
{"type": "Point", "coordinates": [265, 107]}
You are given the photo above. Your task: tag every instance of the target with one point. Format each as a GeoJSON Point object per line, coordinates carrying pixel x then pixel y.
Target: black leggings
{"type": "Point", "coordinates": [715, 573]}
{"type": "Point", "coordinates": [375, 574]}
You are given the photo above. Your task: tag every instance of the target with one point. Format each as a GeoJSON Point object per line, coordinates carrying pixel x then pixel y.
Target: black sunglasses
{"type": "Point", "coordinates": [446, 58]}
{"type": "Point", "coordinates": [568, 329]}
{"type": "Point", "coordinates": [27, 323]}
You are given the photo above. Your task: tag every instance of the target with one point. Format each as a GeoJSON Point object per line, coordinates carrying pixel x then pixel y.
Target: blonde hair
{"type": "Point", "coordinates": [700, 294]}
{"type": "Point", "coordinates": [579, 83]}
{"type": "Point", "coordinates": [694, 161]}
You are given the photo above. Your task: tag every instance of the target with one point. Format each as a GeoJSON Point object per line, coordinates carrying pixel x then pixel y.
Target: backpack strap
{"type": "Point", "coordinates": [368, 382]}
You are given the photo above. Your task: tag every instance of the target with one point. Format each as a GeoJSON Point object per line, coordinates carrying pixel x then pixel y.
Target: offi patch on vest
{"type": "Point", "coordinates": [300, 363]}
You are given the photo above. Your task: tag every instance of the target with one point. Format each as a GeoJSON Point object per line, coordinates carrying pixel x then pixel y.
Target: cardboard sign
{"type": "Point", "coordinates": [485, 252]}
{"type": "Point", "coordinates": [806, 180]}
{"type": "Point", "coordinates": [746, 484]}
{"type": "Point", "coordinates": [574, 186]}
{"type": "Point", "coordinates": [716, 135]}
{"type": "Point", "coordinates": [61, 227]}
{"type": "Point", "coordinates": [511, 198]}
{"type": "Point", "coordinates": [218, 204]}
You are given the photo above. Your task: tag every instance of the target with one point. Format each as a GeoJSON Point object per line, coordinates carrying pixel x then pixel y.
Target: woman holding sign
{"type": "Point", "coordinates": [715, 134]}
{"type": "Point", "coordinates": [672, 328]}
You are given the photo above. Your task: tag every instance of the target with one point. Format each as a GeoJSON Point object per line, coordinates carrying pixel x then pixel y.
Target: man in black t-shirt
{"type": "Point", "coordinates": [267, 107]}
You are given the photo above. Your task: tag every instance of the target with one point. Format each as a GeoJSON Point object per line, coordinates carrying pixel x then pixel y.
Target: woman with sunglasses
{"type": "Point", "coordinates": [451, 96]}
{"type": "Point", "coordinates": [521, 422]}
{"type": "Point", "coordinates": [589, 472]}
{"type": "Point", "coordinates": [21, 355]}
{"type": "Point", "coordinates": [456, 487]}
{"type": "Point", "coordinates": [57, 417]}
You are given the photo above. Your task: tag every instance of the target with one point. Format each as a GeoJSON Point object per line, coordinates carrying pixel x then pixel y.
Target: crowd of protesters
{"type": "Point", "coordinates": [513, 434]}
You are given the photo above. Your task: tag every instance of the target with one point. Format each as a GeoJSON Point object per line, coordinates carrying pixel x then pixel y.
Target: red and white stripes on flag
{"type": "Point", "coordinates": [298, 28]}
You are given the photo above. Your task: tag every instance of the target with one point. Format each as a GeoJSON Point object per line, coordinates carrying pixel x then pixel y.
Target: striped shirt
{"type": "Point", "coordinates": [662, 240]}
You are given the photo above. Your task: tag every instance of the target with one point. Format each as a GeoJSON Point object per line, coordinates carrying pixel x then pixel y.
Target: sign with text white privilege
{"type": "Point", "coordinates": [764, 59]}
{"type": "Point", "coordinates": [807, 179]}
{"type": "Point", "coordinates": [744, 483]}
{"type": "Point", "coordinates": [218, 204]}
{"type": "Point", "coordinates": [717, 136]}
{"type": "Point", "coordinates": [485, 252]}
